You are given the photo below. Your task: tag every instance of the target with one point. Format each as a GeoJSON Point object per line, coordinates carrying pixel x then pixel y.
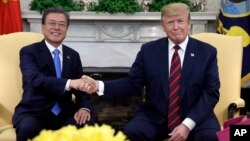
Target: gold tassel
{"type": "Point", "coordinates": [5, 1]}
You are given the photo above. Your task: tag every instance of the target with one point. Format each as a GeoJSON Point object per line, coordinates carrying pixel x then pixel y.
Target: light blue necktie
{"type": "Point", "coordinates": [56, 109]}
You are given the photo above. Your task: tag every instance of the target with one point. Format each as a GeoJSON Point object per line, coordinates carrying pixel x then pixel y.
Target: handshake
{"type": "Point", "coordinates": [84, 84]}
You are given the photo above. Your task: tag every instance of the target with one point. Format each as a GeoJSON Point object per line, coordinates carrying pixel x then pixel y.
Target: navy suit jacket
{"type": "Point", "coordinates": [199, 83]}
{"type": "Point", "coordinates": [41, 88]}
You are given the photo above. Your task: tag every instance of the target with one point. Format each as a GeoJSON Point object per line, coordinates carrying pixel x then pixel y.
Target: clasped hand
{"type": "Point", "coordinates": [85, 84]}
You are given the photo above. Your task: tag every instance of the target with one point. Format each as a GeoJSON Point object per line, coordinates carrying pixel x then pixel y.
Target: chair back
{"type": "Point", "coordinates": [229, 54]}
{"type": "Point", "coordinates": [10, 74]}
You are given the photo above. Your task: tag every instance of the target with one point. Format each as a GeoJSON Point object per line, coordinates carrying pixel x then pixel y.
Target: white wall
{"type": "Point", "coordinates": [91, 36]}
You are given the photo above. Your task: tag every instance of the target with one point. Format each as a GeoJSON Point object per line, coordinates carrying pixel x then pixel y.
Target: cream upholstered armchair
{"type": "Point", "coordinates": [229, 49]}
{"type": "Point", "coordinates": [10, 74]}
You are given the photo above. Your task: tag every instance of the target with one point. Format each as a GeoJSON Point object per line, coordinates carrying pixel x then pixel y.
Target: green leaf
{"type": "Point", "coordinates": [157, 5]}
{"type": "Point", "coordinates": [116, 6]}
{"type": "Point", "coordinates": [67, 5]}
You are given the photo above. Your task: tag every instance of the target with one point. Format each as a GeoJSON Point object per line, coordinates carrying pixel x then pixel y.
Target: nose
{"type": "Point", "coordinates": [175, 25]}
{"type": "Point", "coordinates": [57, 26]}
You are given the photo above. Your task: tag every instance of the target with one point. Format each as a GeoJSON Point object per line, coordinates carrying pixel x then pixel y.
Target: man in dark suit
{"type": "Point", "coordinates": [47, 88]}
{"type": "Point", "coordinates": [180, 75]}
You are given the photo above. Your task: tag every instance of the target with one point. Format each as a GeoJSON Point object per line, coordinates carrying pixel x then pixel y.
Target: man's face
{"type": "Point", "coordinates": [177, 27]}
{"type": "Point", "coordinates": [55, 28]}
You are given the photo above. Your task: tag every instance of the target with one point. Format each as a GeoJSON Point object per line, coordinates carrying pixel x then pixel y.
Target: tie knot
{"type": "Point", "coordinates": [56, 52]}
{"type": "Point", "coordinates": [176, 47]}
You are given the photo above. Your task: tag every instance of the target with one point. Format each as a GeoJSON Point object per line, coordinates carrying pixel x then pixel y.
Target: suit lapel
{"type": "Point", "coordinates": [66, 62]}
{"type": "Point", "coordinates": [189, 62]}
{"type": "Point", "coordinates": [46, 57]}
{"type": "Point", "coordinates": [163, 65]}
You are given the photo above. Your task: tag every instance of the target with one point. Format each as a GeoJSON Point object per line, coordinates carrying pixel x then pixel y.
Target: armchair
{"type": "Point", "coordinates": [10, 84]}
{"type": "Point", "coordinates": [229, 53]}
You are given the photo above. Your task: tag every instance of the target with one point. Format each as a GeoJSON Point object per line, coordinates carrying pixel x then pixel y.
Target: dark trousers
{"type": "Point", "coordinates": [245, 92]}
{"type": "Point", "coordinates": [30, 126]}
{"type": "Point", "coordinates": [145, 130]}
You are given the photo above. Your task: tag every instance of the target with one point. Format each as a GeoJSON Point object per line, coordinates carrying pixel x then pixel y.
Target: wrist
{"type": "Point", "coordinates": [71, 84]}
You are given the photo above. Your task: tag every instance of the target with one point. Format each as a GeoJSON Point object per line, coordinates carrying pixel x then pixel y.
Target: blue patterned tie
{"type": "Point", "coordinates": [56, 109]}
{"type": "Point", "coordinates": [174, 91]}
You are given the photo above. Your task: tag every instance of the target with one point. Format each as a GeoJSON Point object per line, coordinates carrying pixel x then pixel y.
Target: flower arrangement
{"type": "Point", "coordinates": [110, 6]}
{"type": "Point", "coordinates": [67, 5]}
{"type": "Point", "coordinates": [156, 5]}
{"type": "Point", "coordinates": [87, 133]}
{"type": "Point", "coordinates": [115, 6]}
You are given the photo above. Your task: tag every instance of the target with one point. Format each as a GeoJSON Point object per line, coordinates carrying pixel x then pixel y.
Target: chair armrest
{"type": "Point", "coordinates": [235, 106]}
{"type": "Point", "coordinates": [5, 127]}
{"type": "Point", "coordinates": [5, 115]}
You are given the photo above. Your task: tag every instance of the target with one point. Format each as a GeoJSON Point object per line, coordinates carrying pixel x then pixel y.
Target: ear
{"type": "Point", "coordinates": [189, 25]}
{"type": "Point", "coordinates": [42, 28]}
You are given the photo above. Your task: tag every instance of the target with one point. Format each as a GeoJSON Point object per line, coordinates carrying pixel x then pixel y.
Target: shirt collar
{"type": "Point", "coordinates": [182, 45]}
{"type": "Point", "coordinates": [52, 48]}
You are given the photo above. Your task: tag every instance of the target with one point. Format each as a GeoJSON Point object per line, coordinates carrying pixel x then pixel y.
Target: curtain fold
{"type": "Point", "coordinates": [10, 16]}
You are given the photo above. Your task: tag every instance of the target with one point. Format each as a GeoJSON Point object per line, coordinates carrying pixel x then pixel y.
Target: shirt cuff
{"type": "Point", "coordinates": [189, 123]}
{"type": "Point", "coordinates": [67, 85]}
{"type": "Point", "coordinates": [100, 91]}
{"type": "Point", "coordinates": [86, 109]}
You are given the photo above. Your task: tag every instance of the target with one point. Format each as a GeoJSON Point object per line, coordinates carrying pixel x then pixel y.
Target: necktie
{"type": "Point", "coordinates": [56, 109]}
{"type": "Point", "coordinates": [174, 90]}
{"type": "Point", "coordinates": [57, 63]}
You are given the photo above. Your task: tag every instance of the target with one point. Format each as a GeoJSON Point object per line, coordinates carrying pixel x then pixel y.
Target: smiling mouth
{"type": "Point", "coordinates": [55, 33]}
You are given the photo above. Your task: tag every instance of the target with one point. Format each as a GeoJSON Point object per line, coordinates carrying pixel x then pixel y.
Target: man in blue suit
{"type": "Point", "coordinates": [47, 88]}
{"type": "Point", "coordinates": [197, 85]}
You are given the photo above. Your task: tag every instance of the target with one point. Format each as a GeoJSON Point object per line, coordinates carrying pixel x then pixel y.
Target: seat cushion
{"type": "Point", "coordinates": [8, 135]}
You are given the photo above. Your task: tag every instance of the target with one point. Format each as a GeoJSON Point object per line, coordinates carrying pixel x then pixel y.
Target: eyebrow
{"type": "Point", "coordinates": [56, 21]}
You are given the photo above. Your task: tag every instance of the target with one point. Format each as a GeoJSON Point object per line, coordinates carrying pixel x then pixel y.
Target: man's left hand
{"type": "Point", "coordinates": [180, 133]}
{"type": "Point", "coordinates": [82, 116]}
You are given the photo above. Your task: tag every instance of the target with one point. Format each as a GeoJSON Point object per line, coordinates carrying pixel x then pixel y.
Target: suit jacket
{"type": "Point", "coordinates": [199, 83]}
{"type": "Point", "coordinates": [41, 88]}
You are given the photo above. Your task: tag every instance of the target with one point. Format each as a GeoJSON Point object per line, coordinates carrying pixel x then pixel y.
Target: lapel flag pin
{"type": "Point", "coordinates": [68, 57]}
{"type": "Point", "coordinates": [192, 54]}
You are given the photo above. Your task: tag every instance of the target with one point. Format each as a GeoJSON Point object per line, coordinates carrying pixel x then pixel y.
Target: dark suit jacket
{"type": "Point", "coordinates": [41, 88]}
{"type": "Point", "coordinates": [199, 83]}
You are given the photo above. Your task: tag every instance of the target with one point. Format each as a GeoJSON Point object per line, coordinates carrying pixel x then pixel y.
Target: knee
{"type": "Point", "coordinates": [206, 136]}
{"type": "Point", "coordinates": [132, 133]}
{"type": "Point", "coordinates": [211, 137]}
{"type": "Point", "coordinates": [26, 131]}
{"type": "Point", "coordinates": [138, 133]}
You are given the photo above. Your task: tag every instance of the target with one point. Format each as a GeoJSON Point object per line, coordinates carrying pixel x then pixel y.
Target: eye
{"type": "Point", "coordinates": [62, 24]}
{"type": "Point", "coordinates": [51, 23]}
{"type": "Point", "coordinates": [54, 24]}
{"type": "Point", "coordinates": [180, 21]}
{"type": "Point", "coordinates": [170, 23]}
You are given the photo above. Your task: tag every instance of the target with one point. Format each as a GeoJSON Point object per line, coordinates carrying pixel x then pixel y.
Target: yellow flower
{"type": "Point", "coordinates": [88, 133]}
